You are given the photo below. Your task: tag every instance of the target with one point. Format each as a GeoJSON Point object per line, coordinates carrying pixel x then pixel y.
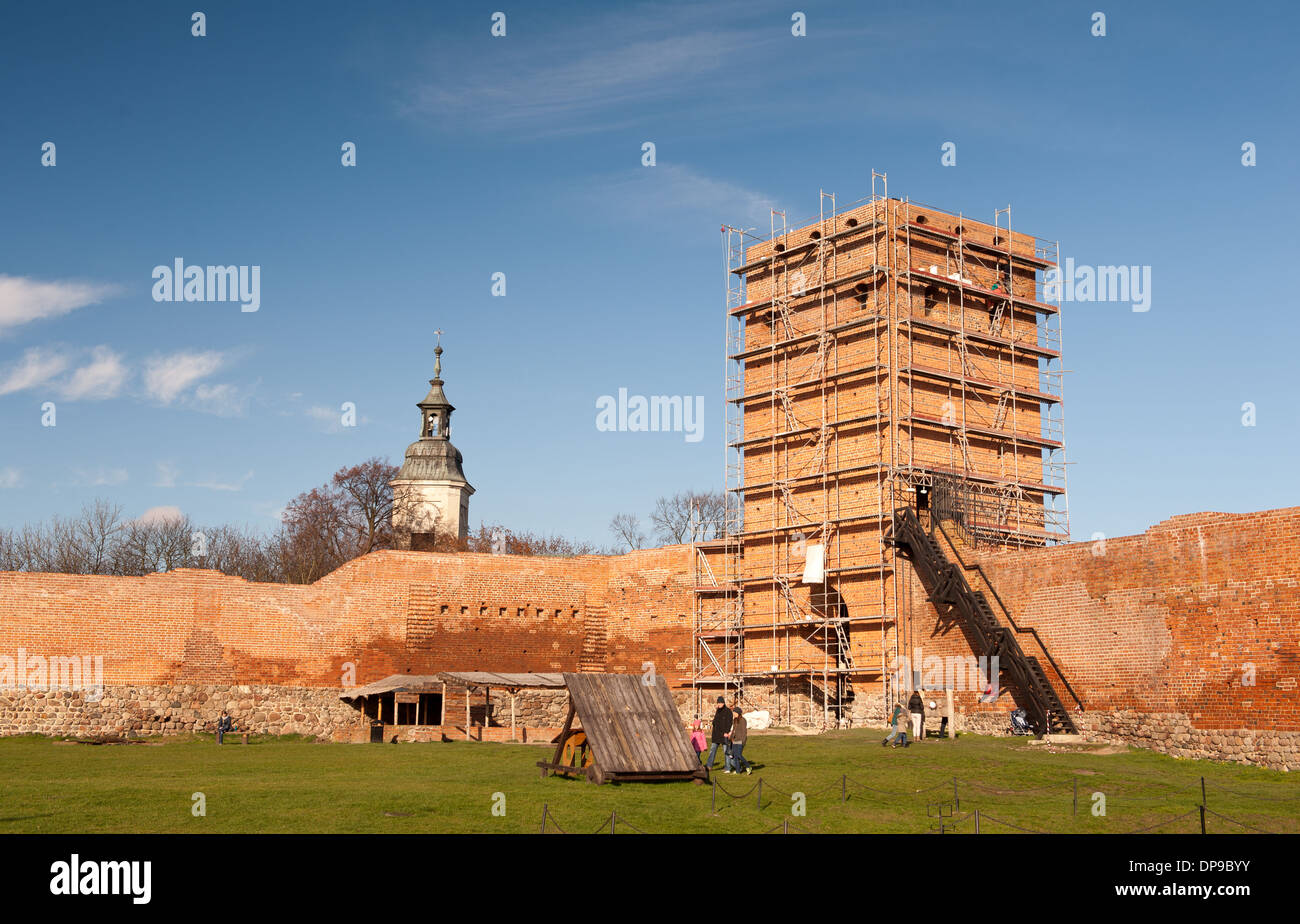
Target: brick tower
{"type": "Point", "coordinates": [881, 356]}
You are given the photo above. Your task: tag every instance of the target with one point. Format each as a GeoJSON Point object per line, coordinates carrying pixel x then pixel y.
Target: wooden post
{"type": "Point", "coordinates": [956, 799]}
{"type": "Point", "coordinates": [512, 715]}
{"type": "Point", "coordinates": [977, 821]}
{"type": "Point", "coordinates": [1076, 795]}
{"type": "Point", "coordinates": [467, 734]}
{"type": "Point", "coordinates": [1202, 819]}
{"type": "Point", "coordinates": [952, 717]}
{"type": "Point", "coordinates": [487, 712]}
{"type": "Point", "coordinates": [544, 807]}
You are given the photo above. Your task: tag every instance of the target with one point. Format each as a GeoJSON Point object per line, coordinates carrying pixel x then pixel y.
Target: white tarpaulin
{"type": "Point", "coordinates": [758, 720]}
{"type": "Point", "coordinates": [814, 565]}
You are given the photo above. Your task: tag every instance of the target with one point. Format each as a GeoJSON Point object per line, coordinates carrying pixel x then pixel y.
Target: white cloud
{"type": "Point", "coordinates": [166, 475]}
{"type": "Point", "coordinates": [166, 377]}
{"type": "Point", "coordinates": [10, 477]}
{"type": "Point", "coordinates": [584, 76]}
{"type": "Point", "coordinates": [23, 299]}
{"type": "Point", "coordinates": [237, 485]}
{"type": "Point", "coordinates": [673, 187]}
{"type": "Point", "coordinates": [101, 476]}
{"type": "Point", "coordinates": [224, 400]}
{"type": "Point", "coordinates": [37, 367]}
{"type": "Point", "coordinates": [160, 515]}
{"type": "Point", "coordinates": [102, 378]}
{"type": "Point", "coordinates": [331, 419]}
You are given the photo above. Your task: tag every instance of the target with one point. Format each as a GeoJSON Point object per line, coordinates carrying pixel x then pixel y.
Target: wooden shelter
{"type": "Point", "coordinates": [630, 731]}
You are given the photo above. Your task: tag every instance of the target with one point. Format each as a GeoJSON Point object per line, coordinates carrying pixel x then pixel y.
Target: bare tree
{"type": "Point", "coordinates": [626, 528]}
{"type": "Point", "coordinates": [96, 534]}
{"type": "Point", "coordinates": [690, 516]}
{"type": "Point", "coordinates": [368, 503]}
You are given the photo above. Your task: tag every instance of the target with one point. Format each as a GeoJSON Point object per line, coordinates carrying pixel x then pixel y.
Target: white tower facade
{"type": "Point", "coordinates": [430, 492]}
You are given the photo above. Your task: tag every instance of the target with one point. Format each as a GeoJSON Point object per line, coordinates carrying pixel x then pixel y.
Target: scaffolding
{"type": "Point", "coordinates": [876, 354]}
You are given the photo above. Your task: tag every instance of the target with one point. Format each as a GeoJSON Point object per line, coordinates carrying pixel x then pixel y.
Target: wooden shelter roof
{"type": "Point", "coordinates": [633, 727]}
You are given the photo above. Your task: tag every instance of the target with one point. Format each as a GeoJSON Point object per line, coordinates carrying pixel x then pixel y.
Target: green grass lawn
{"type": "Point", "coordinates": [297, 786]}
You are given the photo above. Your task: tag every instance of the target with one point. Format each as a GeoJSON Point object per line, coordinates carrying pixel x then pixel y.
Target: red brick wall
{"type": "Point", "coordinates": [385, 613]}
{"type": "Point", "coordinates": [1167, 622]}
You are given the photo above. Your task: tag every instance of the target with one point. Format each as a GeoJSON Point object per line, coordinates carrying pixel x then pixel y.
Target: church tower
{"type": "Point", "coordinates": [430, 493]}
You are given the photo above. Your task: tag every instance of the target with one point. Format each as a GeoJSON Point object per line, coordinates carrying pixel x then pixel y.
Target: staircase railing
{"type": "Point", "coordinates": [946, 583]}
{"type": "Point", "coordinates": [1028, 630]}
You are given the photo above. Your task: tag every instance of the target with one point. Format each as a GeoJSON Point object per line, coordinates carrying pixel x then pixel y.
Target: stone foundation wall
{"type": "Point", "coordinates": [169, 710]}
{"type": "Point", "coordinates": [1174, 734]}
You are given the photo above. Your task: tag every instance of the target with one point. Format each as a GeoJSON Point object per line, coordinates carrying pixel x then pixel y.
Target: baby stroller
{"type": "Point", "coordinates": [1020, 723]}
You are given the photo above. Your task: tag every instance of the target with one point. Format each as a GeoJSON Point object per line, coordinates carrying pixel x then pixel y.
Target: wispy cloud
{"type": "Point", "coordinates": [167, 473]}
{"type": "Point", "coordinates": [100, 476]}
{"type": "Point", "coordinates": [237, 485]}
{"type": "Point", "coordinates": [103, 377]}
{"type": "Point", "coordinates": [224, 400]}
{"type": "Point", "coordinates": [580, 77]}
{"type": "Point", "coordinates": [37, 367]}
{"type": "Point", "coordinates": [10, 477]}
{"type": "Point", "coordinates": [23, 299]}
{"type": "Point", "coordinates": [669, 188]}
{"type": "Point", "coordinates": [330, 420]}
{"type": "Point", "coordinates": [166, 377]}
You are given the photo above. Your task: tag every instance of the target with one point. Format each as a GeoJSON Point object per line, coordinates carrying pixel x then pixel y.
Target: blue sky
{"type": "Point", "coordinates": [522, 155]}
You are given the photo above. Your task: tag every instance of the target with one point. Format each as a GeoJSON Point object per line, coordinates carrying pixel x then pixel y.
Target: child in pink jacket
{"type": "Point", "coordinates": [698, 741]}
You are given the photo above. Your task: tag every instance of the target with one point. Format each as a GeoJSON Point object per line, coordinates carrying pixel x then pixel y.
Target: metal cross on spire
{"type": "Point", "coordinates": [437, 354]}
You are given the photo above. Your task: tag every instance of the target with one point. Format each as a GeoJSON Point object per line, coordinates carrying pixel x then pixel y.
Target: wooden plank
{"type": "Point", "coordinates": [675, 738]}
{"type": "Point", "coordinates": [597, 716]}
{"type": "Point", "coordinates": [633, 728]}
{"type": "Point", "coordinates": [649, 727]}
{"type": "Point", "coordinates": [640, 723]}
{"type": "Point", "coordinates": [646, 724]}
{"type": "Point", "coordinates": [606, 707]}
{"type": "Point", "coordinates": [675, 735]}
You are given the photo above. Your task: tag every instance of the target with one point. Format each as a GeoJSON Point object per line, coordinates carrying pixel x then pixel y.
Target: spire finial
{"type": "Point", "coordinates": [437, 353]}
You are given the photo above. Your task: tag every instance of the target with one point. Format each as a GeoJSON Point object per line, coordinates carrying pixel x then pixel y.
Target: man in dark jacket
{"type": "Point", "coordinates": [224, 725]}
{"type": "Point", "coordinates": [916, 706]}
{"type": "Point", "coordinates": [721, 726]}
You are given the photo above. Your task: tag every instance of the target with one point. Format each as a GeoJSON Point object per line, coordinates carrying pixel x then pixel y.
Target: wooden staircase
{"type": "Point", "coordinates": [949, 590]}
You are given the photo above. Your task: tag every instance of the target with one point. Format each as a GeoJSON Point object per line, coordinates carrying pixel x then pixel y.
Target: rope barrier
{"type": "Point", "coordinates": [1163, 823]}
{"type": "Point", "coordinates": [1210, 811]}
{"type": "Point", "coordinates": [986, 817]}
{"type": "Point", "coordinates": [1247, 795]}
{"type": "Point", "coordinates": [726, 792]}
{"type": "Point", "coordinates": [946, 822]}
{"type": "Point", "coordinates": [625, 823]}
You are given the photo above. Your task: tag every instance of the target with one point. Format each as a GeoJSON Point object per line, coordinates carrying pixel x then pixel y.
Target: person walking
{"type": "Point", "coordinates": [721, 728]}
{"type": "Point", "coordinates": [916, 706]}
{"type": "Point", "coordinates": [739, 734]}
{"type": "Point", "coordinates": [897, 728]}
